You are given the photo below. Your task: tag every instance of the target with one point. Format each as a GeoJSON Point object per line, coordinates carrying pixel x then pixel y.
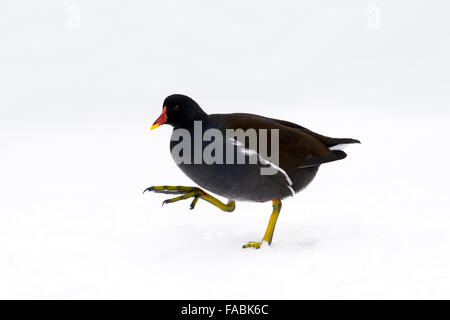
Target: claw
{"type": "Point", "coordinates": [148, 189]}
{"type": "Point", "coordinates": [194, 202]}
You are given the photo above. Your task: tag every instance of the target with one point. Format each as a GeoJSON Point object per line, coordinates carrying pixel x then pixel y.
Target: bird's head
{"type": "Point", "coordinates": [179, 111]}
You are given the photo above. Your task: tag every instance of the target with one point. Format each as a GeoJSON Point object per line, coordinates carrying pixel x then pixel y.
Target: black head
{"type": "Point", "coordinates": [179, 111]}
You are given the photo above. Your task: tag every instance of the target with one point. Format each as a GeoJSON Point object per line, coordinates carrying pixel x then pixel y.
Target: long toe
{"type": "Point", "coordinates": [255, 244]}
{"type": "Point", "coordinates": [171, 189]}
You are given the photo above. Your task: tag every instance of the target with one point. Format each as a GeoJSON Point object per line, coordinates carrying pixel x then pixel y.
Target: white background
{"type": "Point", "coordinates": [82, 81]}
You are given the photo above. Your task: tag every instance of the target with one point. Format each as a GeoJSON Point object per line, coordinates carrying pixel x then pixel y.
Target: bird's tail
{"type": "Point", "coordinates": [340, 143]}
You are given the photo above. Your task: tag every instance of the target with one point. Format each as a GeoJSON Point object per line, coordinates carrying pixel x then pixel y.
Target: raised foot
{"type": "Point", "coordinates": [191, 192]}
{"type": "Point", "coordinates": [255, 244]}
{"type": "Point", "coordinates": [171, 189]}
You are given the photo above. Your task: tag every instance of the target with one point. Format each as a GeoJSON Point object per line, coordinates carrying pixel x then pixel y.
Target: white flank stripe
{"type": "Point", "coordinates": [292, 190]}
{"type": "Point", "coordinates": [273, 165]}
{"type": "Point", "coordinates": [242, 149]}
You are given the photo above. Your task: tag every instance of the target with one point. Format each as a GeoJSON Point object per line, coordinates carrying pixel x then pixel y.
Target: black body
{"type": "Point", "coordinates": [301, 153]}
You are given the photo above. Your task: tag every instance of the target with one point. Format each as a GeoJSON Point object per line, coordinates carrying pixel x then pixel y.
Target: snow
{"type": "Point", "coordinates": [76, 151]}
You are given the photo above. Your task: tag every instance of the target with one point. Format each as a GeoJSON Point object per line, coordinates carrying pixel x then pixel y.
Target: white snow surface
{"type": "Point", "coordinates": [76, 150]}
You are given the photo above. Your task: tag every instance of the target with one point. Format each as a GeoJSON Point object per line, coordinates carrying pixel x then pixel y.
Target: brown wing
{"type": "Point", "coordinates": [327, 141]}
{"type": "Point", "coordinates": [298, 147]}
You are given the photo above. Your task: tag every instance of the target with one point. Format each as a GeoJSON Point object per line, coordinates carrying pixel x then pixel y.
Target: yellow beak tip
{"type": "Point", "coordinates": [154, 126]}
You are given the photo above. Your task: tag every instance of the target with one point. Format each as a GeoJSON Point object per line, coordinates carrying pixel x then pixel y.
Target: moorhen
{"type": "Point", "coordinates": [233, 173]}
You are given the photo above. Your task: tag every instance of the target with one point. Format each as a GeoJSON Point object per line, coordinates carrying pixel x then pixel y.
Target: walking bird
{"type": "Point", "coordinates": [300, 154]}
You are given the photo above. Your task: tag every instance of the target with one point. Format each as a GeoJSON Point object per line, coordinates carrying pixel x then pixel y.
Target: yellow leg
{"type": "Point", "coordinates": [276, 204]}
{"type": "Point", "coordinates": [191, 192]}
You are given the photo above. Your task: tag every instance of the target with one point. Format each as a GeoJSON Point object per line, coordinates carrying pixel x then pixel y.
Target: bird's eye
{"type": "Point", "coordinates": [176, 107]}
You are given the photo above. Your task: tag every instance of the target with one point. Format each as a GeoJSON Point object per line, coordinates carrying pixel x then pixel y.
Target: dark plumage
{"type": "Point", "coordinates": [301, 152]}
